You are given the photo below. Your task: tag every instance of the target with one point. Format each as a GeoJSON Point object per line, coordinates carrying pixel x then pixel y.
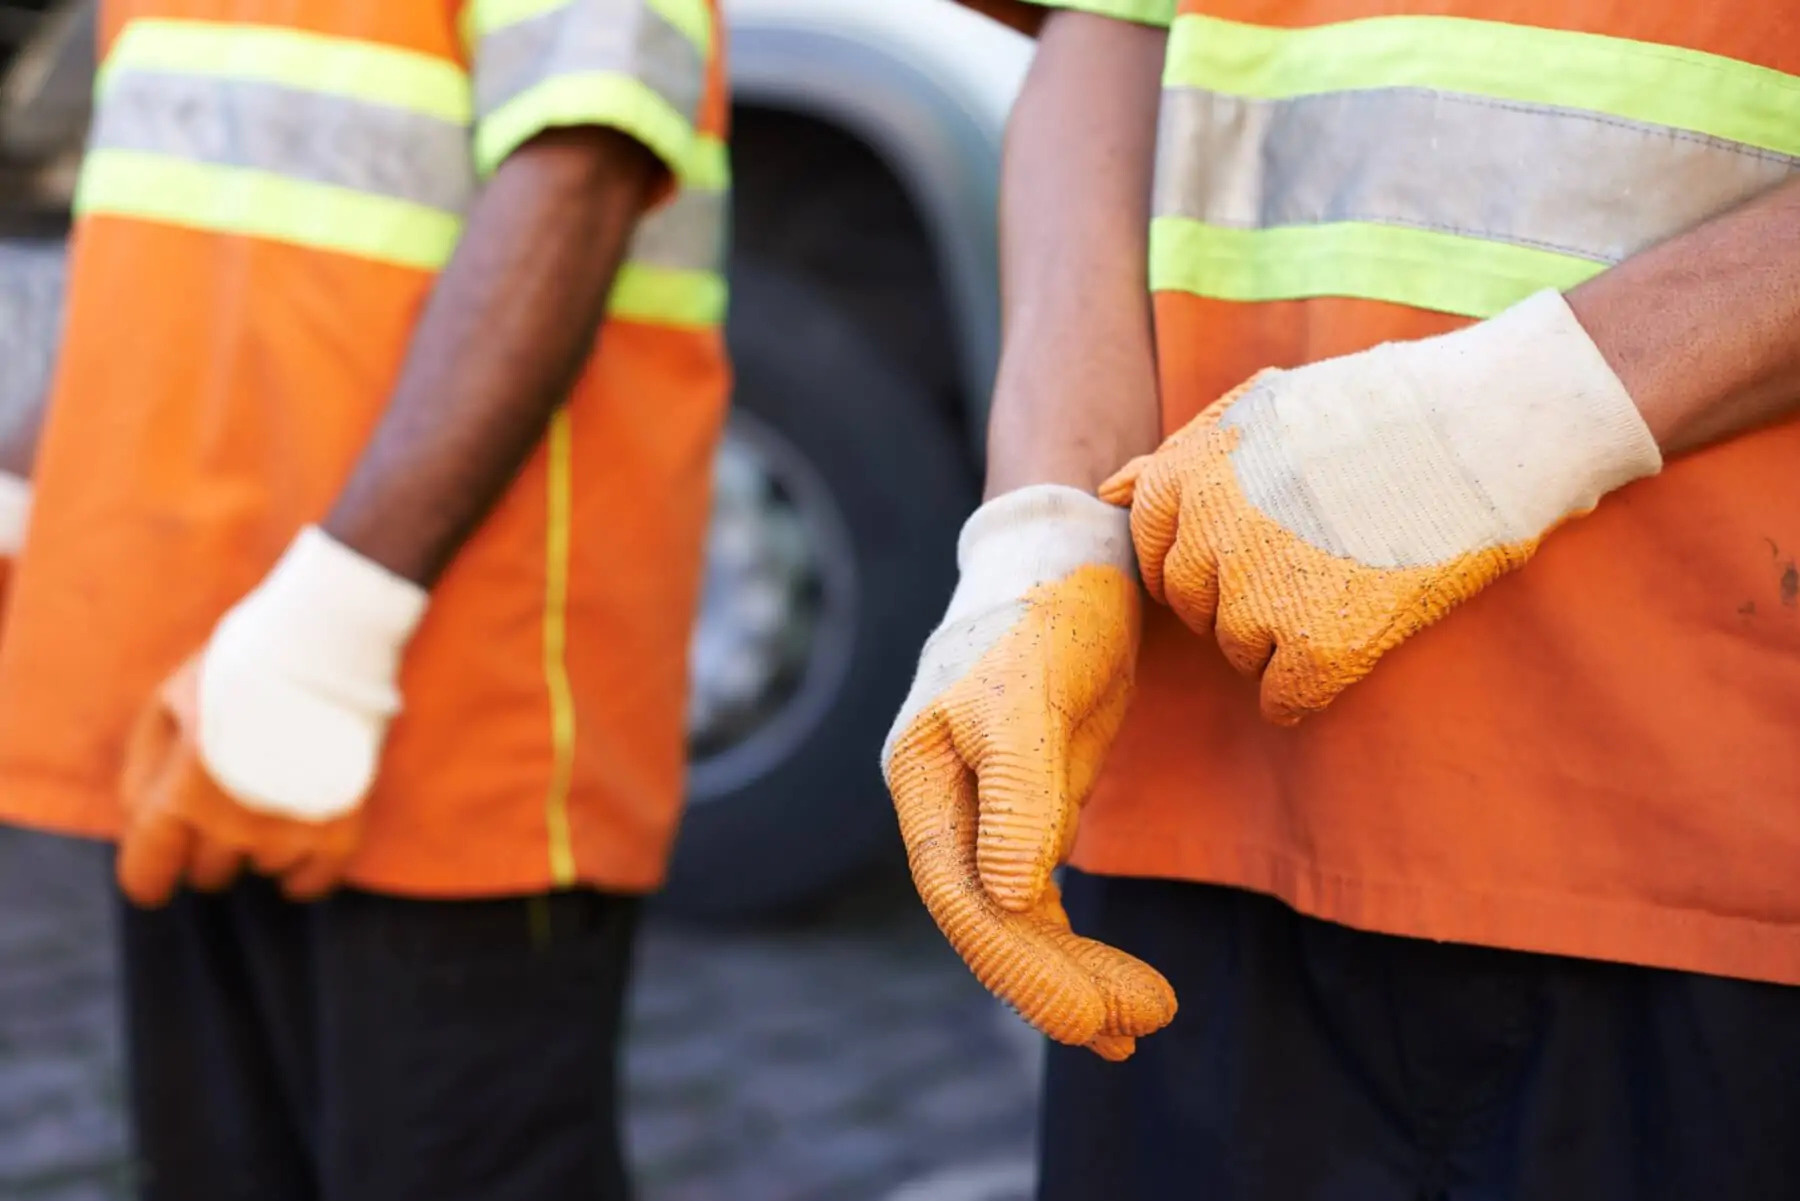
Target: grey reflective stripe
{"type": "Point", "coordinates": [1585, 184]}
{"type": "Point", "coordinates": [583, 37]}
{"type": "Point", "coordinates": [286, 131]}
{"type": "Point", "coordinates": [686, 234]}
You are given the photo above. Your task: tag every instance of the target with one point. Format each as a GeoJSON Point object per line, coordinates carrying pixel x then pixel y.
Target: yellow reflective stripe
{"type": "Point", "coordinates": [708, 165]}
{"type": "Point", "coordinates": [665, 296]}
{"type": "Point", "coordinates": [1418, 267]}
{"type": "Point", "coordinates": [1662, 85]}
{"type": "Point", "coordinates": [237, 200]}
{"type": "Point", "coordinates": [561, 696]}
{"type": "Point", "coordinates": [359, 70]}
{"type": "Point", "coordinates": [619, 101]}
{"type": "Point", "coordinates": [481, 17]}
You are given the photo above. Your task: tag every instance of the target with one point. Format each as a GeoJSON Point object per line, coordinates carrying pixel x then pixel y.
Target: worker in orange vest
{"type": "Point", "coordinates": [365, 533]}
{"type": "Point", "coordinates": [1458, 806]}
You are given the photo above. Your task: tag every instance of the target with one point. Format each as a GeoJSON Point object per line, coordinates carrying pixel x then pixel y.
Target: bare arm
{"type": "Point", "coordinates": [504, 336]}
{"type": "Point", "coordinates": [1076, 393]}
{"type": "Point", "coordinates": [1704, 329]}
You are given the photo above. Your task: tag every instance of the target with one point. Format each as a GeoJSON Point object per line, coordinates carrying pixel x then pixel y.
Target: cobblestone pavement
{"type": "Point", "coordinates": [842, 1056]}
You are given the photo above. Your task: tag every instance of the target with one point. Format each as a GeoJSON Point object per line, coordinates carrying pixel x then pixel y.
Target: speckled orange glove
{"type": "Point", "coordinates": [258, 752]}
{"type": "Point", "coordinates": [1313, 520]}
{"type": "Point", "coordinates": [1019, 694]}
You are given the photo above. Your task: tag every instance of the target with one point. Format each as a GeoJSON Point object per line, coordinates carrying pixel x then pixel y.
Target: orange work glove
{"type": "Point", "coordinates": [259, 750]}
{"type": "Point", "coordinates": [1312, 520]}
{"type": "Point", "coordinates": [1018, 696]}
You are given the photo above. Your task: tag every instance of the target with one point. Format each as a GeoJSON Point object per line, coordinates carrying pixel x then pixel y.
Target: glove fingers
{"type": "Point", "coordinates": [212, 866]}
{"type": "Point", "coordinates": [1248, 641]}
{"type": "Point", "coordinates": [1155, 523]}
{"type": "Point", "coordinates": [1088, 747]}
{"type": "Point", "coordinates": [313, 877]}
{"type": "Point", "coordinates": [1191, 578]}
{"type": "Point", "coordinates": [1012, 722]}
{"type": "Point", "coordinates": [1023, 807]}
{"type": "Point", "coordinates": [322, 870]}
{"type": "Point", "coordinates": [152, 856]}
{"type": "Point", "coordinates": [935, 799]}
{"type": "Point", "coordinates": [1006, 727]}
{"type": "Point", "coordinates": [1139, 1000]}
{"type": "Point", "coordinates": [278, 848]}
{"type": "Point", "coordinates": [1297, 683]}
{"type": "Point", "coordinates": [1114, 1048]}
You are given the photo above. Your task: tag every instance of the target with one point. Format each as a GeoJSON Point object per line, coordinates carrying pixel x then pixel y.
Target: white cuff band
{"type": "Point", "coordinates": [335, 619]}
{"type": "Point", "coordinates": [1544, 424]}
{"type": "Point", "coordinates": [15, 513]}
{"type": "Point", "coordinates": [1032, 536]}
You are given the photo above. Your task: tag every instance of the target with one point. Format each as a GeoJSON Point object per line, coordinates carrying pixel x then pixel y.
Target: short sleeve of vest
{"type": "Point", "coordinates": [1159, 13]}
{"type": "Point", "coordinates": [638, 66]}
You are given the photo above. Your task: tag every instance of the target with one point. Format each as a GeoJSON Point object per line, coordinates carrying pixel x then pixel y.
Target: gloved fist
{"type": "Point", "coordinates": [1313, 520]}
{"type": "Point", "coordinates": [260, 749]}
{"type": "Point", "coordinates": [1018, 696]}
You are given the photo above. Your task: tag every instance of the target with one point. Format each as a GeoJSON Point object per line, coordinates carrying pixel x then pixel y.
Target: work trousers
{"type": "Point", "coordinates": [1312, 1062]}
{"type": "Point", "coordinates": [369, 1048]}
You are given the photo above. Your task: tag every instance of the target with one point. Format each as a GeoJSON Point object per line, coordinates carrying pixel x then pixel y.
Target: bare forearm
{"type": "Point", "coordinates": [503, 338]}
{"type": "Point", "coordinates": [1704, 329]}
{"type": "Point", "coordinates": [1076, 395]}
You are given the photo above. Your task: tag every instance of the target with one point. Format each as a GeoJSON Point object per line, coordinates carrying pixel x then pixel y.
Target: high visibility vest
{"type": "Point", "coordinates": [1596, 757]}
{"type": "Point", "coordinates": [269, 191]}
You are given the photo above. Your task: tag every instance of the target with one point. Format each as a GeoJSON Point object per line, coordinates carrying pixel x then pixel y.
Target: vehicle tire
{"type": "Point", "coordinates": [881, 482]}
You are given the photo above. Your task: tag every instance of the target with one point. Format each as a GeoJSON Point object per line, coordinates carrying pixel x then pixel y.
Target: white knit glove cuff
{"type": "Point", "coordinates": [1534, 412]}
{"type": "Point", "coordinates": [1010, 545]}
{"type": "Point", "coordinates": [15, 513]}
{"type": "Point", "coordinates": [300, 679]}
{"type": "Point", "coordinates": [1418, 452]}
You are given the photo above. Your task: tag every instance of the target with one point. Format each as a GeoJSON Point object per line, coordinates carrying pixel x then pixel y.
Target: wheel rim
{"type": "Point", "coordinates": [776, 626]}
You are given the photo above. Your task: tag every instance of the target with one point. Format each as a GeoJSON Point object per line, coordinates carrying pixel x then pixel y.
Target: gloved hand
{"type": "Point", "coordinates": [1314, 519]}
{"type": "Point", "coordinates": [1018, 696]}
{"type": "Point", "coordinates": [260, 749]}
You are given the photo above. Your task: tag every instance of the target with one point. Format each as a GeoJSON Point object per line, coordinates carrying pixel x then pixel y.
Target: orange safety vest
{"type": "Point", "coordinates": [1598, 756]}
{"type": "Point", "coordinates": [270, 189]}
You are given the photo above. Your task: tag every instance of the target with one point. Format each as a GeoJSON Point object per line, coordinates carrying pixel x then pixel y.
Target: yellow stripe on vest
{"type": "Point", "coordinates": [1663, 85]}
{"type": "Point", "coordinates": [560, 695]}
{"type": "Point", "coordinates": [1418, 267]}
{"type": "Point", "coordinates": [237, 200]}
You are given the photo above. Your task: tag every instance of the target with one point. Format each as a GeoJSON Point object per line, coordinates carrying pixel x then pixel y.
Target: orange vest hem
{"type": "Point", "coordinates": [1583, 927]}
{"type": "Point", "coordinates": [54, 805]}
{"type": "Point", "coordinates": [76, 809]}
